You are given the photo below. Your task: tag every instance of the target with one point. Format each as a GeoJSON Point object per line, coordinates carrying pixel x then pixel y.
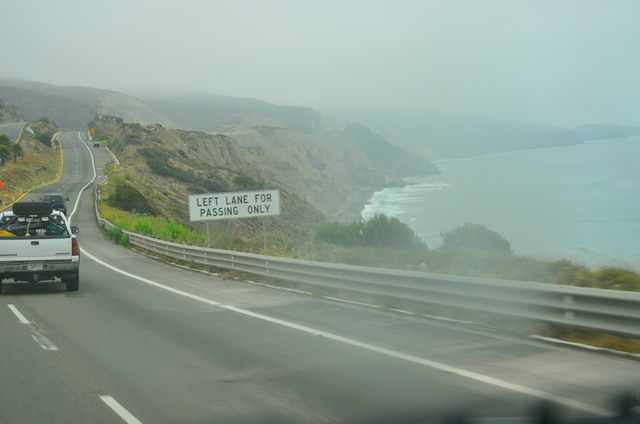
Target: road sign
{"type": "Point", "coordinates": [102, 179]}
{"type": "Point", "coordinates": [244, 204]}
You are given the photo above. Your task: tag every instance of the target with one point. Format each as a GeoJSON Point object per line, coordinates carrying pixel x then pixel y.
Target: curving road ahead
{"type": "Point", "coordinates": [145, 342]}
{"type": "Point", "coordinates": [12, 130]}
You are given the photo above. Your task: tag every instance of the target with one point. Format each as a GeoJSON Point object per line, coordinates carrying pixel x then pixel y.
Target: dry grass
{"type": "Point", "coordinates": [40, 166]}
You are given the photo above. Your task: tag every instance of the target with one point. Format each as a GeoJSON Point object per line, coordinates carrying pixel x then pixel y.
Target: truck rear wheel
{"type": "Point", "coordinates": [73, 283]}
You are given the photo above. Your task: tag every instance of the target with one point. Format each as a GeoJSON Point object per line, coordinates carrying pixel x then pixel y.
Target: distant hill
{"type": "Point", "coordinates": [387, 155]}
{"type": "Point", "coordinates": [336, 171]}
{"type": "Point", "coordinates": [429, 136]}
{"type": "Point", "coordinates": [74, 107]}
{"type": "Point", "coordinates": [208, 112]}
{"type": "Point", "coordinates": [605, 131]}
{"type": "Point", "coordinates": [34, 105]}
{"type": "Point", "coordinates": [8, 112]}
{"type": "Point", "coordinates": [440, 137]}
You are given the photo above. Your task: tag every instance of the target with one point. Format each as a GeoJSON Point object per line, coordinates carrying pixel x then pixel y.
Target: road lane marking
{"type": "Point", "coordinates": [373, 348]}
{"type": "Point", "coordinates": [36, 332]}
{"type": "Point", "coordinates": [17, 313]}
{"type": "Point", "coordinates": [126, 416]}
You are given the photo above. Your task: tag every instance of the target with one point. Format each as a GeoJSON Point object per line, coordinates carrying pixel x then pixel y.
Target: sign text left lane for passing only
{"type": "Point", "coordinates": [245, 204]}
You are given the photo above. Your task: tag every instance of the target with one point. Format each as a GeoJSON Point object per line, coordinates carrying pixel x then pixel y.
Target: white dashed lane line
{"type": "Point", "coordinates": [36, 332]}
{"type": "Point", "coordinates": [126, 416]}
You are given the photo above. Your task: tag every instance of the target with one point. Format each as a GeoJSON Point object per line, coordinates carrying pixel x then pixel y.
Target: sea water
{"type": "Point", "coordinates": [579, 202]}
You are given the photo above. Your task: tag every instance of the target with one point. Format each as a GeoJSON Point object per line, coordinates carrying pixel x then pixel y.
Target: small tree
{"type": "Point", "coordinates": [339, 234]}
{"type": "Point", "coordinates": [129, 198]}
{"type": "Point", "coordinates": [476, 236]}
{"type": "Point", "coordinates": [5, 148]}
{"type": "Point", "coordinates": [378, 231]}
{"type": "Point", "coordinates": [16, 151]}
{"type": "Point", "coordinates": [383, 231]}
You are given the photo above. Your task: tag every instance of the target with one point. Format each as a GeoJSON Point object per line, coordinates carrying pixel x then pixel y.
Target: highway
{"type": "Point", "coordinates": [146, 342]}
{"type": "Point", "coordinates": [12, 130]}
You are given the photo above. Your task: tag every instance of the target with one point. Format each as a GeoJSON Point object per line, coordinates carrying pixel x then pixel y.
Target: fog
{"type": "Point", "coordinates": [564, 63]}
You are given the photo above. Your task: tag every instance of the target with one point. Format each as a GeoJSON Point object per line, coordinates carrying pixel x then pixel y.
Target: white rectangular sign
{"type": "Point", "coordinates": [244, 204]}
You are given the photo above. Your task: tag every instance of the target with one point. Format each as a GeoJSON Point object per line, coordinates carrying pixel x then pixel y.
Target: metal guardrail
{"type": "Point", "coordinates": [605, 311]}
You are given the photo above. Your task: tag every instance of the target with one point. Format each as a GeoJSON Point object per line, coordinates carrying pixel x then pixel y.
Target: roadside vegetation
{"type": "Point", "coordinates": [381, 241]}
{"type": "Point", "coordinates": [28, 164]}
{"type": "Point", "coordinates": [386, 242]}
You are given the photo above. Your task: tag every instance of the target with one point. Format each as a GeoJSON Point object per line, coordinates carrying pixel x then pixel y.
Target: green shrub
{"type": "Point", "coordinates": [383, 231]}
{"type": "Point", "coordinates": [377, 231]}
{"type": "Point", "coordinates": [124, 240]}
{"type": "Point", "coordinates": [339, 234]}
{"type": "Point", "coordinates": [245, 181]}
{"type": "Point", "coordinates": [116, 234]}
{"type": "Point", "coordinates": [144, 226]}
{"type": "Point", "coordinates": [475, 236]}
{"type": "Point", "coordinates": [129, 198]}
{"type": "Point", "coordinates": [617, 279]}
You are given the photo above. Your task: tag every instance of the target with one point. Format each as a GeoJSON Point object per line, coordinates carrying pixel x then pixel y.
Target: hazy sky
{"type": "Point", "coordinates": [564, 62]}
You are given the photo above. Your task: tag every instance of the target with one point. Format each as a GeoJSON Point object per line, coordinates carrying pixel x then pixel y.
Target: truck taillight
{"type": "Point", "coordinates": [75, 247]}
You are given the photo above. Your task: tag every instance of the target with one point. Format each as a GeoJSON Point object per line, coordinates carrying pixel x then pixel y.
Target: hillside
{"type": "Point", "coordinates": [605, 131]}
{"type": "Point", "coordinates": [442, 137]}
{"type": "Point", "coordinates": [208, 112]}
{"type": "Point", "coordinates": [159, 168]}
{"type": "Point", "coordinates": [33, 105]}
{"type": "Point", "coordinates": [39, 163]}
{"type": "Point", "coordinates": [329, 175]}
{"type": "Point", "coordinates": [8, 113]}
{"type": "Point", "coordinates": [73, 107]}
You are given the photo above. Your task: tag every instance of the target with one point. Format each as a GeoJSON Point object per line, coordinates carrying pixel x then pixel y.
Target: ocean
{"type": "Point", "coordinates": [579, 202]}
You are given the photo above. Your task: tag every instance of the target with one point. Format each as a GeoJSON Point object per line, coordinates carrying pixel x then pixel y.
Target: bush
{"type": "Point", "coordinates": [617, 279]}
{"type": "Point", "coordinates": [339, 234]}
{"type": "Point", "coordinates": [382, 231]}
{"type": "Point", "coordinates": [246, 182]}
{"type": "Point", "coordinates": [129, 198]}
{"type": "Point", "coordinates": [378, 231]}
{"type": "Point", "coordinates": [476, 236]}
{"type": "Point", "coordinates": [117, 235]}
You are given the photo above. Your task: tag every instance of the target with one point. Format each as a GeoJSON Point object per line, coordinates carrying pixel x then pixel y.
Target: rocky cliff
{"type": "Point", "coordinates": [330, 172]}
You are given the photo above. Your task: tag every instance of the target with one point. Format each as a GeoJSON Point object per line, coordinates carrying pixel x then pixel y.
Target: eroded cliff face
{"type": "Point", "coordinates": [166, 166]}
{"type": "Point", "coordinates": [329, 170]}
{"type": "Point", "coordinates": [327, 175]}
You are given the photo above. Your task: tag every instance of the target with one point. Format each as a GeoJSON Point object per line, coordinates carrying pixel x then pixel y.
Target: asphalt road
{"type": "Point", "coordinates": [12, 130]}
{"type": "Point", "coordinates": [146, 342]}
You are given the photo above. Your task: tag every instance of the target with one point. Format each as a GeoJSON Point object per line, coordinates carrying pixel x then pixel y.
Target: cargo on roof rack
{"type": "Point", "coordinates": [32, 208]}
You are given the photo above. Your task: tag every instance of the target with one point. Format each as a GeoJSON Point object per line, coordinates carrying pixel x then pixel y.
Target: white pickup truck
{"type": "Point", "coordinates": [37, 243]}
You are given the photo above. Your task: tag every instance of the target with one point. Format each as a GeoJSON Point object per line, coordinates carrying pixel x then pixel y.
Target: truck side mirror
{"type": "Point", "coordinates": [74, 229]}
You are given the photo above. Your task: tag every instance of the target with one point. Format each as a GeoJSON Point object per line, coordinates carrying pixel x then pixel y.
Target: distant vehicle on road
{"type": "Point", "coordinates": [57, 201]}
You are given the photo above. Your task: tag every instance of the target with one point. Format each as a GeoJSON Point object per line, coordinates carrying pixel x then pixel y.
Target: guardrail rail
{"type": "Point", "coordinates": [605, 311]}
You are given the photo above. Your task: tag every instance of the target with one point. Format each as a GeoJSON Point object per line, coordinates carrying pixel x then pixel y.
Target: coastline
{"type": "Point", "coordinates": [351, 210]}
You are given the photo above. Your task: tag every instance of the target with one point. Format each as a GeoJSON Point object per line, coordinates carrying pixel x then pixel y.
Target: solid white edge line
{"type": "Point", "coordinates": [120, 410]}
{"type": "Point", "coordinates": [384, 351]}
{"type": "Point", "coordinates": [93, 166]}
{"type": "Point", "coordinates": [18, 314]}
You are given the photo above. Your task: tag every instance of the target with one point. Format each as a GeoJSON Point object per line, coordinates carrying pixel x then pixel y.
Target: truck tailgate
{"type": "Point", "coordinates": [45, 248]}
